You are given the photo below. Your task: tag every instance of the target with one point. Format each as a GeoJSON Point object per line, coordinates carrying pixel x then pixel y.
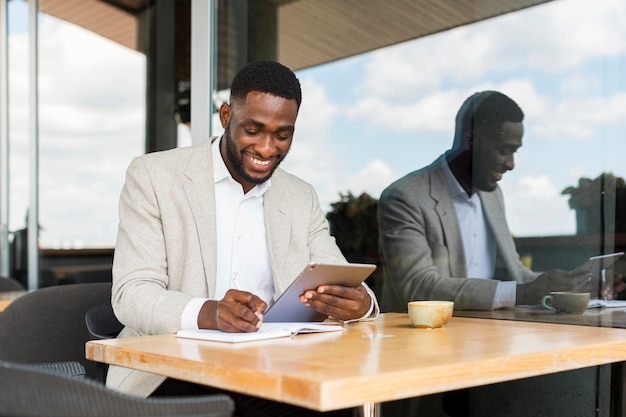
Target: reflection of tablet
{"type": "Point", "coordinates": [595, 264]}
{"type": "Point", "coordinates": [288, 307]}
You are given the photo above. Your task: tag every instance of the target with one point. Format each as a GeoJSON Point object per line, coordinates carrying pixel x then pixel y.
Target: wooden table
{"type": "Point", "coordinates": [371, 362]}
{"type": "Point", "coordinates": [7, 297]}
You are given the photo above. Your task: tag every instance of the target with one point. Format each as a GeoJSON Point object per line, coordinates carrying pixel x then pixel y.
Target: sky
{"type": "Point", "coordinates": [365, 121]}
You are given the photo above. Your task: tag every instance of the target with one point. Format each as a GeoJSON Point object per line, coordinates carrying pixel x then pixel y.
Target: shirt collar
{"type": "Point", "coordinates": [455, 188]}
{"type": "Point", "coordinates": [221, 173]}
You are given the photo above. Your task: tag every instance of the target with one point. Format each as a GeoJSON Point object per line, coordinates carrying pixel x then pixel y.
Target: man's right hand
{"type": "Point", "coordinates": [238, 311]}
{"type": "Point", "coordinates": [554, 280]}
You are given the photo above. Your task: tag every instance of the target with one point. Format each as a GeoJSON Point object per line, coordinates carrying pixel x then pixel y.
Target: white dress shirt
{"type": "Point", "coordinates": [242, 254]}
{"type": "Point", "coordinates": [478, 240]}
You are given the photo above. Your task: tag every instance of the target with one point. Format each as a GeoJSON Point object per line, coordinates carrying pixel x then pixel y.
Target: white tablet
{"type": "Point", "coordinates": [288, 307]}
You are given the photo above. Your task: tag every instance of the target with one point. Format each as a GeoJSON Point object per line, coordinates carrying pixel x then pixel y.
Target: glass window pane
{"type": "Point", "coordinates": [371, 116]}
{"type": "Point", "coordinates": [99, 64]}
{"type": "Point", "coordinates": [92, 122]}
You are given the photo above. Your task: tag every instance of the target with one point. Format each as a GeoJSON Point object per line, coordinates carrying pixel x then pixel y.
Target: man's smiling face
{"type": "Point", "coordinates": [257, 136]}
{"type": "Point", "coordinates": [494, 154]}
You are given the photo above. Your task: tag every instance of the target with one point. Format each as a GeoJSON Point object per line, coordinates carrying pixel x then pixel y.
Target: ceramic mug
{"type": "Point", "coordinates": [567, 302]}
{"type": "Point", "coordinates": [430, 314]}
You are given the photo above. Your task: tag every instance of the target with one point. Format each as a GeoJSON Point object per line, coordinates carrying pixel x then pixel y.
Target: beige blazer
{"type": "Point", "coordinates": [165, 253]}
{"type": "Point", "coordinates": [422, 249]}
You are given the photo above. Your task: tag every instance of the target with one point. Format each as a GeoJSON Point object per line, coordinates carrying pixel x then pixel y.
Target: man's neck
{"type": "Point", "coordinates": [461, 166]}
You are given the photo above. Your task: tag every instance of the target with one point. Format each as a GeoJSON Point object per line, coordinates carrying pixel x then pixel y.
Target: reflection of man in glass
{"type": "Point", "coordinates": [443, 231]}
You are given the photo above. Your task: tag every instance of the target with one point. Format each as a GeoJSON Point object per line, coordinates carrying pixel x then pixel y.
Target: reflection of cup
{"type": "Point", "coordinates": [567, 302]}
{"type": "Point", "coordinates": [430, 314]}
{"type": "Point", "coordinates": [527, 260]}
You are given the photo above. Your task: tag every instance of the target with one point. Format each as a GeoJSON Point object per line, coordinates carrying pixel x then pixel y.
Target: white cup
{"type": "Point", "coordinates": [430, 314]}
{"type": "Point", "coordinates": [567, 302]}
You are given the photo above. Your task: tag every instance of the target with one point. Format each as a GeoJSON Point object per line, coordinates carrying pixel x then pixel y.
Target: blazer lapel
{"type": "Point", "coordinates": [200, 190]}
{"type": "Point", "coordinates": [277, 225]}
{"type": "Point", "coordinates": [494, 212]}
{"type": "Point", "coordinates": [440, 192]}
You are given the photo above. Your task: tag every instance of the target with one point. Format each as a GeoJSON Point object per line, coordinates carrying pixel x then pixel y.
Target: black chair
{"type": "Point", "coordinates": [85, 277]}
{"type": "Point", "coordinates": [10, 284]}
{"type": "Point", "coordinates": [71, 368]}
{"type": "Point", "coordinates": [48, 325]}
{"type": "Point", "coordinates": [102, 324]}
{"type": "Point", "coordinates": [29, 391]}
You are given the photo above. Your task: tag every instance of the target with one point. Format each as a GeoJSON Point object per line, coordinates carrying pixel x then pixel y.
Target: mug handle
{"type": "Point", "coordinates": [546, 302]}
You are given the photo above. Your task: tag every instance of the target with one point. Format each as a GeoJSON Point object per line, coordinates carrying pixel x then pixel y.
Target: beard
{"type": "Point", "coordinates": [235, 161]}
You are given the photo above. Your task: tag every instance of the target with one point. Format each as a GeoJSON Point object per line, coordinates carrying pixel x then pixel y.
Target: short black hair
{"type": "Point", "coordinates": [488, 109]}
{"type": "Point", "coordinates": [484, 110]}
{"type": "Point", "coordinates": [267, 77]}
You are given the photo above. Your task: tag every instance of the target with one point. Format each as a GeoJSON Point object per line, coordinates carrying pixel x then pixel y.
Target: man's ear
{"type": "Point", "coordinates": [225, 113]}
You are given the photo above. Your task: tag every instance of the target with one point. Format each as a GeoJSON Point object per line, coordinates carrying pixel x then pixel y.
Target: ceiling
{"type": "Point", "coordinates": [114, 20]}
{"type": "Point", "coordinates": [350, 27]}
{"type": "Point", "coordinates": [341, 28]}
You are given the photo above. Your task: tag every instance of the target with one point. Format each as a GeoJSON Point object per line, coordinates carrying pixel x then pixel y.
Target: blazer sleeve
{"type": "Point", "coordinates": [140, 297]}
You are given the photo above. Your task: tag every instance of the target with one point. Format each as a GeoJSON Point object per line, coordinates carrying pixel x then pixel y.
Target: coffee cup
{"type": "Point", "coordinates": [430, 314]}
{"type": "Point", "coordinates": [567, 302]}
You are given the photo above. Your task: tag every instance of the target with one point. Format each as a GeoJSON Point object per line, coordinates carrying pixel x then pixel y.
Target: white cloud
{"type": "Point", "coordinates": [433, 112]}
{"type": "Point", "coordinates": [372, 179]}
{"type": "Point", "coordinates": [401, 73]}
{"type": "Point", "coordinates": [572, 118]}
{"type": "Point", "coordinates": [579, 83]}
{"type": "Point", "coordinates": [419, 85]}
{"type": "Point", "coordinates": [535, 207]}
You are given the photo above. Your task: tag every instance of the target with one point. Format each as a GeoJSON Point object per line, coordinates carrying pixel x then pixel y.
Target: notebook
{"type": "Point", "coordinates": [267, 331]}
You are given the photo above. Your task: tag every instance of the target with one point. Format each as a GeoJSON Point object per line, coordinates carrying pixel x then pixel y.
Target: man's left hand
{"type": "Point", "coordinates": [342, 303]}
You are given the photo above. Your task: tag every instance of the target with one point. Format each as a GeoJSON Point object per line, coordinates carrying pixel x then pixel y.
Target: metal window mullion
{"type": "Point", "coordinates": [33, 145]}
{"type": "Point", "coordinates": [202, 68]}
{"type": "Point", "coordinates": [4, 141]}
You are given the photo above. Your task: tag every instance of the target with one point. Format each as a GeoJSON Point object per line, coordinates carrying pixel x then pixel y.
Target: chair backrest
{"type": "Point", "coordinates": [27, 391]}
{"type": "Point", "coordinates": [102, 323]}
{"type": "Point", "coordinates": [10, 284]}
{"type": "Point", "coordinates": [84, 277]}
{"type": "Point", "coordinates": [48, 325]}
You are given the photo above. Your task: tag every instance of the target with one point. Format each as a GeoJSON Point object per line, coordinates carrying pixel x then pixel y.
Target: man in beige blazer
{"type": "Point", "coordinates": [209, 235]}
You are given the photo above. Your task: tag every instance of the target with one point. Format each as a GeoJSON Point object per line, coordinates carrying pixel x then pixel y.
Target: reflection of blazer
{"type": "Point", "coordinates": [166, 247]}
{"type": "Point", "coordinates": [422, 249]}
